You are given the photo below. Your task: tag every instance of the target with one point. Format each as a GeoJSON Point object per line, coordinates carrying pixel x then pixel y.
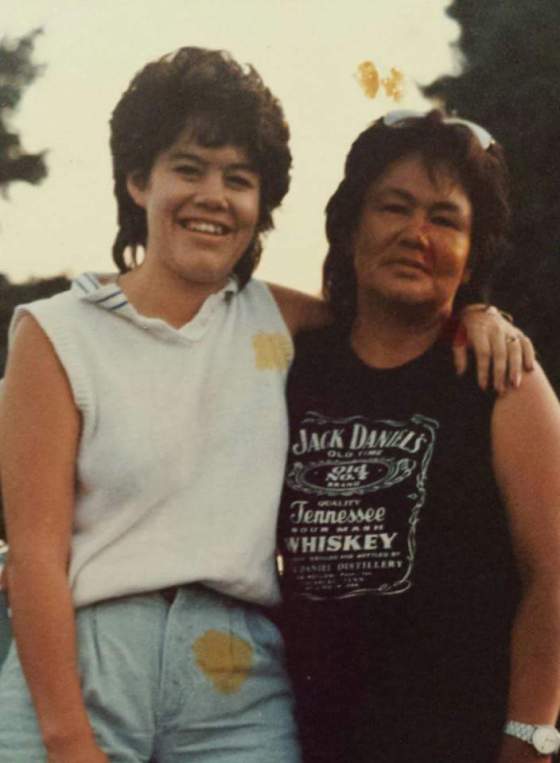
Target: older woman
{"type": "Point", "coordinates": [419, 526]}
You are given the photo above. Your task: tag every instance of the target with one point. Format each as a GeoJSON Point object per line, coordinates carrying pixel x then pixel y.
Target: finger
{"type": "Point", "coordinates": [481, 349]}
{"type": "Point", "coordinates": [514, 361]}
{"type": "Point", "coordinates": [500, 350]}
{"type": "Point", "coordinates": [459, 358]}
{"type": "Point", "coordinates": [459, 347]}
{"type": "Point", "coordinates": [528, 352]}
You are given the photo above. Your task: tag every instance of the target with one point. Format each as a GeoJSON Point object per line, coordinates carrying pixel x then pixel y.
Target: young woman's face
{"type": "Point", "coordinates": [413, 237]}
{"type": "Point", "coordinates": [202, 208]}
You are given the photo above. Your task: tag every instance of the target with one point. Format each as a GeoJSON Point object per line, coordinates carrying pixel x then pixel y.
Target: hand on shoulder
{"type": "Point", "coordinates": [501, 350]}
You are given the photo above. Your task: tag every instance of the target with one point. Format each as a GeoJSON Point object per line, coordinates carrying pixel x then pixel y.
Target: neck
{"type": "Point", "coordinates": [166, 296]}
{"type": "Point", "coordinates": [388, 336]}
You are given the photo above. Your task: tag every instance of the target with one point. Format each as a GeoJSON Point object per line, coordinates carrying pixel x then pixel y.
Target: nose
{"type": "Point", "coordinates": [211, 192]}
{"type": "Point", "coordinates": [416, 233]}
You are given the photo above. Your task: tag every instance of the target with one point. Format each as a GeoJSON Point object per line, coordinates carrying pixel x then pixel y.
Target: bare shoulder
{"type": "Point", "coordinates": [34, 377]}
{"type": "Point", "coordinates": [526, 405]}
{"type": "Point", "coordinates": [28, 334]}
{"type": "Point", "coordinates": [526, 422]}
{"type": "Point", "coordinates": [30, 347]}
{"type": "Point", "coordinates": [300, 311]}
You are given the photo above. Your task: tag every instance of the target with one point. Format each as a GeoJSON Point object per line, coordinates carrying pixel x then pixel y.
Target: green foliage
{"type": "Point", "coordinates": [510, 69]}
{"type": "Point", "coordinates": [17, 72]}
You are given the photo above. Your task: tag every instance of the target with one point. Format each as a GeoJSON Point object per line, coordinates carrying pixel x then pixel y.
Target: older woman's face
{"type": "Point", "coordinates": [412, 242]}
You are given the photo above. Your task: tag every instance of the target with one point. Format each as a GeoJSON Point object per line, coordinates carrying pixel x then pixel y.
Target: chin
{"type": "Point", "coordinates": [414, 307]}
{"type": "Point", "coordinates": [214, 279]}
{"type": "Point", "coordinates": [408, 297]}
{"type": "Point", "coordinates": [206, 272]}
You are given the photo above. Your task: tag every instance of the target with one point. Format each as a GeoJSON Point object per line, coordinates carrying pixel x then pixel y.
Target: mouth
{"type": "Point", "coordinates": [206, 227]}
{"type": "Point", "coordinates": [413, 264]}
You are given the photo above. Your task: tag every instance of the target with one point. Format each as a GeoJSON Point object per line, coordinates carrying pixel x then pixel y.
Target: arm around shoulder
{"type": "Point", "coordinates": [300, 311]}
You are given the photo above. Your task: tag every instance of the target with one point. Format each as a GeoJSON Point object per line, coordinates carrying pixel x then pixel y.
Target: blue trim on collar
{"type": "Point", "coordinates": [90, 288]}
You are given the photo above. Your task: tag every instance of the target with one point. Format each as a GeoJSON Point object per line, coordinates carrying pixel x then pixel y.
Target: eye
{"type": "Point", "coordinates": [240, 181]}
{"type": "Point", "coordinates": [445, 222]}
{"type": "Point", "coordinates": [394, 208]}
{"type": "Point", "coordinates": [188, 170]}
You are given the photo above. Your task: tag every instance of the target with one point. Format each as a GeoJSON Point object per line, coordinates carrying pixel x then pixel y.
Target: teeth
{"type": "Point", "coordinates": [201, 226]}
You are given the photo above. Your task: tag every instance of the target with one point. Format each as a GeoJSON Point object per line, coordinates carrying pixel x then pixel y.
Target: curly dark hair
{"type": "Point", "coordinates": [451, 146]}
{"type": "Point", "coordinates": [221, 103]}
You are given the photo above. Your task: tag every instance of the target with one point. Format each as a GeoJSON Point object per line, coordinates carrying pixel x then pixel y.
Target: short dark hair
{"type": "Point", "coordinates": [221, 103]}
{"type": "Point", "coordinates": [482, 173]}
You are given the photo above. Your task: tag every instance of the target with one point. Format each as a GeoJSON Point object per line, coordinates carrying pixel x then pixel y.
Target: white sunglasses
{"type": "Point", "coordinates": [400, 116]}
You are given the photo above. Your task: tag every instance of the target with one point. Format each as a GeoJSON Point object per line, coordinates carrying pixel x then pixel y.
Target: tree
{"type": "Point", "coordinates": [17, 72]}
{"type": "Point", "coordinates": [510, 68]}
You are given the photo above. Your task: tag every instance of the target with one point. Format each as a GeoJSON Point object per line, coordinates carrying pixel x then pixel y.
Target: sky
{"type": "Point", "coordinates": [308, 53]}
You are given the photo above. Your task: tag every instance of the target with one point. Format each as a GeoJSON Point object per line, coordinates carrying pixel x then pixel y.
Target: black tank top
{"type": "Point", "coordinates": [398, 575]}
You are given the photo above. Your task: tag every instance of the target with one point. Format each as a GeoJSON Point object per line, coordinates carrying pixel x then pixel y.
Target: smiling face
{"type": "Point", "coordinates": [412, 241]}
{"type": "Point", "coordinates": [202, 208]}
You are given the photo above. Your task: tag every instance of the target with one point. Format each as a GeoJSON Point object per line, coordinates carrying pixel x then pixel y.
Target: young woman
{"type": "Point", "coordinates": [419, 524]}
{"type": "Point", "coordinates": [143, 444]}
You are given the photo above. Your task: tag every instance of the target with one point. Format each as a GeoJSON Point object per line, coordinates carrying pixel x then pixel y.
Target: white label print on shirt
{"type": "Point", "coordinates": [356, 492]}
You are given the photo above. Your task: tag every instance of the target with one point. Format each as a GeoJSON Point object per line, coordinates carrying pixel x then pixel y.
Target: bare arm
{"type": "Point", "coordinates": [481, 328]}
{"type": "Point", "coordinates": [300, 311]}
{"type": "Point", "coordinates": [526, 449]}
{"type": "Point", "coordinates": [40, 429]}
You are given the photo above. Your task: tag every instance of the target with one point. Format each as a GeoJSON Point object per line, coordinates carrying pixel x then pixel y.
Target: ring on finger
{"type": "Point", "coordinates": [511, 338]}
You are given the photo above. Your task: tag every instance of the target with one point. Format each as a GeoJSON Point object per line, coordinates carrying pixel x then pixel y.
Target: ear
{"type": "Point", "coordinates": [136, 187]}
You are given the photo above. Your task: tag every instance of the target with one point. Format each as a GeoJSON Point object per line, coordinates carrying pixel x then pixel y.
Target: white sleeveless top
{"type": "Point", "coordinates": [183, 443]}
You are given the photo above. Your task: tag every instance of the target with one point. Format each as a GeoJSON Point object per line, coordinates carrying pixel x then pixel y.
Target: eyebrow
{"type": "Point", "coordinates": [444, 206]}
{"type": "Point", "coordinates": [235, 166]}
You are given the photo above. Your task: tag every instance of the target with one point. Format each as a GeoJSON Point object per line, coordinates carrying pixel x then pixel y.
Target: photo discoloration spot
{"type": "Point", "coordinates": [369, 78]}
{"type": "Point", "coordinates": [225, 659]}
{"type": "Point", "coordinates": [371, 81]}
{"type": "Point", "coordinates": [272, 351]}
{"type": "Point", "coordinates": [394, 84]}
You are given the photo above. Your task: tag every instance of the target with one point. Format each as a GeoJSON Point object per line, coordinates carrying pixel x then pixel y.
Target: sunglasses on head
{"type": "Point", "coordinates": [401, 116]}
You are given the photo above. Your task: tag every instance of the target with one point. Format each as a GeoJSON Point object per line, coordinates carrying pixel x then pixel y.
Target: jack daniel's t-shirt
{"type": "Point", "coordinates": [398, 576]}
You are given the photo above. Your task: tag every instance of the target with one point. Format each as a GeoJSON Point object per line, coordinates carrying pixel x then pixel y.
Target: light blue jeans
{"type": "Point", "coordinates": [198, 680]}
